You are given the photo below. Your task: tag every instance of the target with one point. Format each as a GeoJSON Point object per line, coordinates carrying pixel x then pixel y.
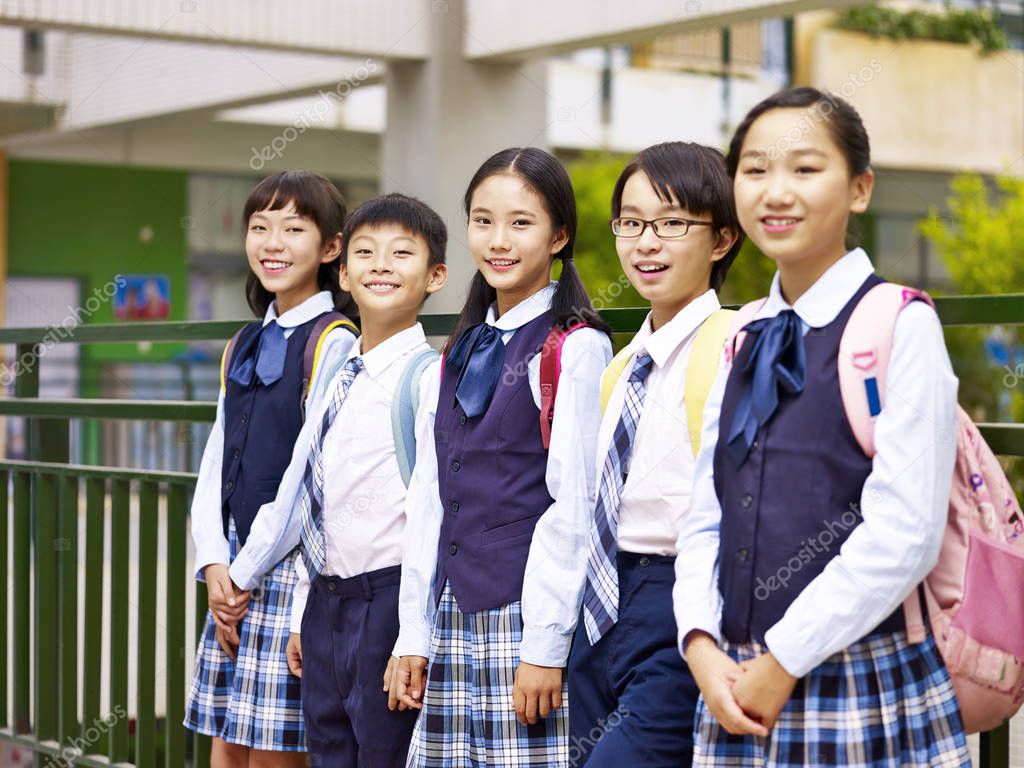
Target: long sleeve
{"type": "Point", "coordinates": [557, 563]}
{"type": "Point", "coordinates": [299, 595]}
{"type": "Point", "coordinates": [696, 601]}
{"type": "Point", "coordinates": [903, 505]}
{"type": "Point", "coordinates": [207, 520]}
{"type": "Point", "coordinates": [276, 529]}
{"type": "Point", "coordinates": [423, 515]}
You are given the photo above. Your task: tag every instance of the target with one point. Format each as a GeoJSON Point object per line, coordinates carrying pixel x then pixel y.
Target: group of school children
{"type": "Point", "coordinates": [524, 552]}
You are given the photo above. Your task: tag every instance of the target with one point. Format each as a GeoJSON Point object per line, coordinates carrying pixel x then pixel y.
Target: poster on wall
{"type": "Point", "coordinates": [143, 297]}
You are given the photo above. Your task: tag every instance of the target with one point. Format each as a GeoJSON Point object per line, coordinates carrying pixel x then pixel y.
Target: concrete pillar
{"type": "Point", "coordinates": [445, 116]}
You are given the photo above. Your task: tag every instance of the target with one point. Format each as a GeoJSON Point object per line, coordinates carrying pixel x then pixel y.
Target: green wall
{"type": "Point", "coordinates": [90, 222]}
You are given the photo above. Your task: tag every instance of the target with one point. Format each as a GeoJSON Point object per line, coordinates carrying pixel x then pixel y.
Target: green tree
{"type": "Point", "coordinates": [982, 245]}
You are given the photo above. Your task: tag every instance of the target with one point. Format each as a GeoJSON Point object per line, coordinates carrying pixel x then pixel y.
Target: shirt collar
{"type": "Point", "coordinates": [822, 302]}
{"type": "Point", "coordinates": [526, 310]}
{"type": "Point", "coordinates": [660, 344]}
{"type": "Point", "coordinates": [312, 307]}
{"type": "Point", "coordinates": [378, 359]}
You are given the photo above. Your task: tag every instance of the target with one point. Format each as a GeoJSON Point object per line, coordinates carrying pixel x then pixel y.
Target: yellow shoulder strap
{"type": "Point", "coordinates": [223, 360]}
{"type": "Point", "coordinates": [320, 345]}
{"type": "Point", "coordinates": [612, 374]}
{"type": "Point", "coordinates": [702, 369]}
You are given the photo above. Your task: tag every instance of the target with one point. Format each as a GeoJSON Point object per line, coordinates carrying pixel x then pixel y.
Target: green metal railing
{"type": "Point", "coordinates": [56, 710]}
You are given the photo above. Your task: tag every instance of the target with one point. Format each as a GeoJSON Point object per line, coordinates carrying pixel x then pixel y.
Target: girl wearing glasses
{"type": "Point", "coordinates": [676, 233]}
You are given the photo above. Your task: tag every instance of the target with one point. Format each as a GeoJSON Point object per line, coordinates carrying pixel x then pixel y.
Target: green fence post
{"type": "Point", "coordinates": [994, 749]}
{"type": "Point", "coordinates": [92, 625]}
{"type": "Point", "coordinates": [200, 744]}
{"type": "Point", "coordinates": [177, 523]}
{"type": "Point", "coordinates": [21, 613]}
{"type": "Point", "coordinates": [145, 699]}
{"type": "Point", "coordinates": [66, 549]}
{"type": "Point", "coordinates": [46, 619]}
{"type": "Point", "coordinates": [4, 650]}
{"type": "Point", "coordinates": [120, 519]}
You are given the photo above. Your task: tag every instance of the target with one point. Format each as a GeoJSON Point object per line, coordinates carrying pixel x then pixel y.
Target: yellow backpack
{"type": "Point", "coordinates": [700, 372]}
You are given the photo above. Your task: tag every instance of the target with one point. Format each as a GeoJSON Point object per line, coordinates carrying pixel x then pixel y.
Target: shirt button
{"type": "Point", "coordinates": [455, 506]}
{"type": "Point", "coordinates": [462, 419]}
{"type": "Point", "coordinates": [645, 561]}
{"type": "Point", "coordinates": [229, 485]}
{"type": "Point", "coordinates": [754, 446]}
{"type": "Point", "coordinates": [743, 554]}
{"type": "Point", "coordinates": [747, 501]}
{"type": "Point", "coordinates": [245, 417]}
{"type": "Point", "coordinates": [331, 586]}
{"type": "Point", "coordinates": [452, 549]}
{"type": "Point", "coordinates": [456, 466]}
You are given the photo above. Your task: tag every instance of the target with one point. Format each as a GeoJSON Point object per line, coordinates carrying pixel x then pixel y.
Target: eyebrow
{"type": "Point", "coordinates": [663, 208]}
{"type": "Point", "coordinates": [802, 151]}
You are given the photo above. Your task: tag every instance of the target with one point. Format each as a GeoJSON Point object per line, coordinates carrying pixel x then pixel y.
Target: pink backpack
{"type": "Point", "coordinates": [974, 593]}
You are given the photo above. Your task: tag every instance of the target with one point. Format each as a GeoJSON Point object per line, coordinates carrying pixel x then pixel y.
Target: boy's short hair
{"type": "Point", "coordinates": [697, 177]}
{"type": "Point", "coordinates": [407, 212]}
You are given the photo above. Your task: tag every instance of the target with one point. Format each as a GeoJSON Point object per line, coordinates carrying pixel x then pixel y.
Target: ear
{"type": "Point", "coordinates": [437, 279]}
{"type": "Point", "coordinates": [861, 186]}
{"type": "Point", "coordinates": [558, 243]}
{"type": "Point", "coordinates": [725, 241]}
{"type": "Point", "coordinates": [343, 281]}
{"type": "Point", "coordinates": [332, 249]}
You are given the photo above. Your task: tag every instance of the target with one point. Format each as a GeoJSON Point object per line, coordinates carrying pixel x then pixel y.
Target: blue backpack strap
{"type": "Point", "coordinates": [403, 411]}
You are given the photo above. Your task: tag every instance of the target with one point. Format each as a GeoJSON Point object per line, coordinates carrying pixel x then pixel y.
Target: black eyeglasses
{"type": "Point", "coordinates": [669, 227]}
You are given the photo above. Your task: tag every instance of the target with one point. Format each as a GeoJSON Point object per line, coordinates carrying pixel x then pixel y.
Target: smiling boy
{"type": "Point", "coordinates": [347, 505]}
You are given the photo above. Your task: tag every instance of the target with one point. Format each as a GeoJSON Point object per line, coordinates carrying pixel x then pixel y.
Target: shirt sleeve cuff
{"type": "Point", "coordinates": [545, 647]}
{"type": "Point", "coordinates": [795, 657]}
{"type": "Point", "coordinates": [212, 554]}
{"type": "Point", "coordinates": [298, 608]}
{"type": "Point", "coordinates": [706, 627]}
{"type": "Point", "coordinates": [412, 641]}
{"type": "Point", "coordinates": [243, 571]}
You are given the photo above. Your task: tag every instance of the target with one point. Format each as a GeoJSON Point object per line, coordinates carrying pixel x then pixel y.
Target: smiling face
{"type": "Point", "coordinates": [512, 238]}
{"type": "Point", "coordinates": [386, 271]}
{"type": "Point", "coordinates": [668, 272]}
{"type": "Point", "coordinates": [285, 252]}
{"type": "Point", "coordinates": [794, 198]}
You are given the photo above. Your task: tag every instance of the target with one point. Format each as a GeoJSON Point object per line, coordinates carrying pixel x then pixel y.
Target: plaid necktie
{"type": "Point", "coordinates": [601, 596]}
{"type": "Point", "coordinates": [314, 542]}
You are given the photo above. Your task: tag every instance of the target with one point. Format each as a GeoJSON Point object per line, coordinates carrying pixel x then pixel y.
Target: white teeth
{"type": "Point", "coordinates": [382, 287]}
{"type": "Point", "coordinates": [275, 264]}
{"type": "Point", "coordinates": [651, 267]}
{"type": "Point", "coordinates": [780, 222]}
{"type": "Point", "coordinates": [501, 262]}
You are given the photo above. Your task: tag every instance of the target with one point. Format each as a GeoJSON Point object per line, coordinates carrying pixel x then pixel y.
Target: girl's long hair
{"type": "Point", "coordinates": [547, 177]}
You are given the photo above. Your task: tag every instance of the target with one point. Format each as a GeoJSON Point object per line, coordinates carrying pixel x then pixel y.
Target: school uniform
{"type": "Point", "coordinates": [634, 666]}
{"type": "Point", "coordinates": [801, 545]}
{"type": "Point", "coordinates": [494, 566]}
{"type": "Point", "coordinates": [346, 600]}
{"type": "Point", "coordinates": [254, 701]}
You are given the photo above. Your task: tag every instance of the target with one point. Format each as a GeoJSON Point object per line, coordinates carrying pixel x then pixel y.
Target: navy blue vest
{"type": "Point", "coordinates": [272, 416]}
{"type": "Point", "coordinates": [794, 501]}
{"type": "Point", "coordinates": [490, 472]}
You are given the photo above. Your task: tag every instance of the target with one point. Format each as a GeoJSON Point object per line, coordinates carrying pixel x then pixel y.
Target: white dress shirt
{"type": "Point", "coordinates": [556, 565]}
{"type": "Point", "coordinates": [903, 503]}
{"type": "Point", "coordinates": [364, 496]}
{"type": "Point", "coordinates": [656, 494]}
{"type": "Point", "coordinates": [207, 521]}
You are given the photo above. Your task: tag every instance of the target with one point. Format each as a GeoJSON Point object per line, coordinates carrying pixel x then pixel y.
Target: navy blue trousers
{"type": "Point", "coordinates": [348, 631]}
{"type": "Point", "coordinates": [631, 697]}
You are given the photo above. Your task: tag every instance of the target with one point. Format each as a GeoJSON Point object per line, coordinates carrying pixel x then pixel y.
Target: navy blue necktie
{"type": "Point", "coordinates": [478, 356]}
{"type": "Point", "coordinates": [271, 354]}
{"type": "Point", "coordinates": [775, 365]}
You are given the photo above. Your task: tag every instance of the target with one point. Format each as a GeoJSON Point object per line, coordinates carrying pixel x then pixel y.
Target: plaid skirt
{"type": "Point", "coordinates": [255, 700]}
{"type": "Point", "coordinates": [880, 702]}
{"type": "Point", "coordinates": [468, 719]}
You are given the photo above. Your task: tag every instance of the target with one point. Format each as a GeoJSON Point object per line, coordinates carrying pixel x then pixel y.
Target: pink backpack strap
{"type": "Point", "coordinates": [864, 353]}
{"type": "Point", "coordinates": [550, 371]}
{"type": "Point", "coordinates": [744, 315]}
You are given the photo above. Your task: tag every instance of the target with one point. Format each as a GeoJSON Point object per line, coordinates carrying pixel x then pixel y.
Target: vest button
{"type": "Point", "coordinates": [754, 446]}
{"type": "Point", "coordinates": [456, 466]}
{"type": "Point", "coordinates": [743, 554]}
{"type": "Point", "coordinates": [229, 484]}
{"type": "Point", "coordinates": [331, 586]}
{"type": "Point", "coordinates": [452, 549]}
{"type": "Point", "coordinates": [747, 501]}
{"type": "Point", "coordinates": [245, 418]}
{"type": "Point", "coordinates": [236, 453]}
{"type": "Point", "coordinates": [645, 561]}
{"type": "Point", "coordinates": [455, 507]}
{"type": "Point", "coordinates": [462, 419]}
